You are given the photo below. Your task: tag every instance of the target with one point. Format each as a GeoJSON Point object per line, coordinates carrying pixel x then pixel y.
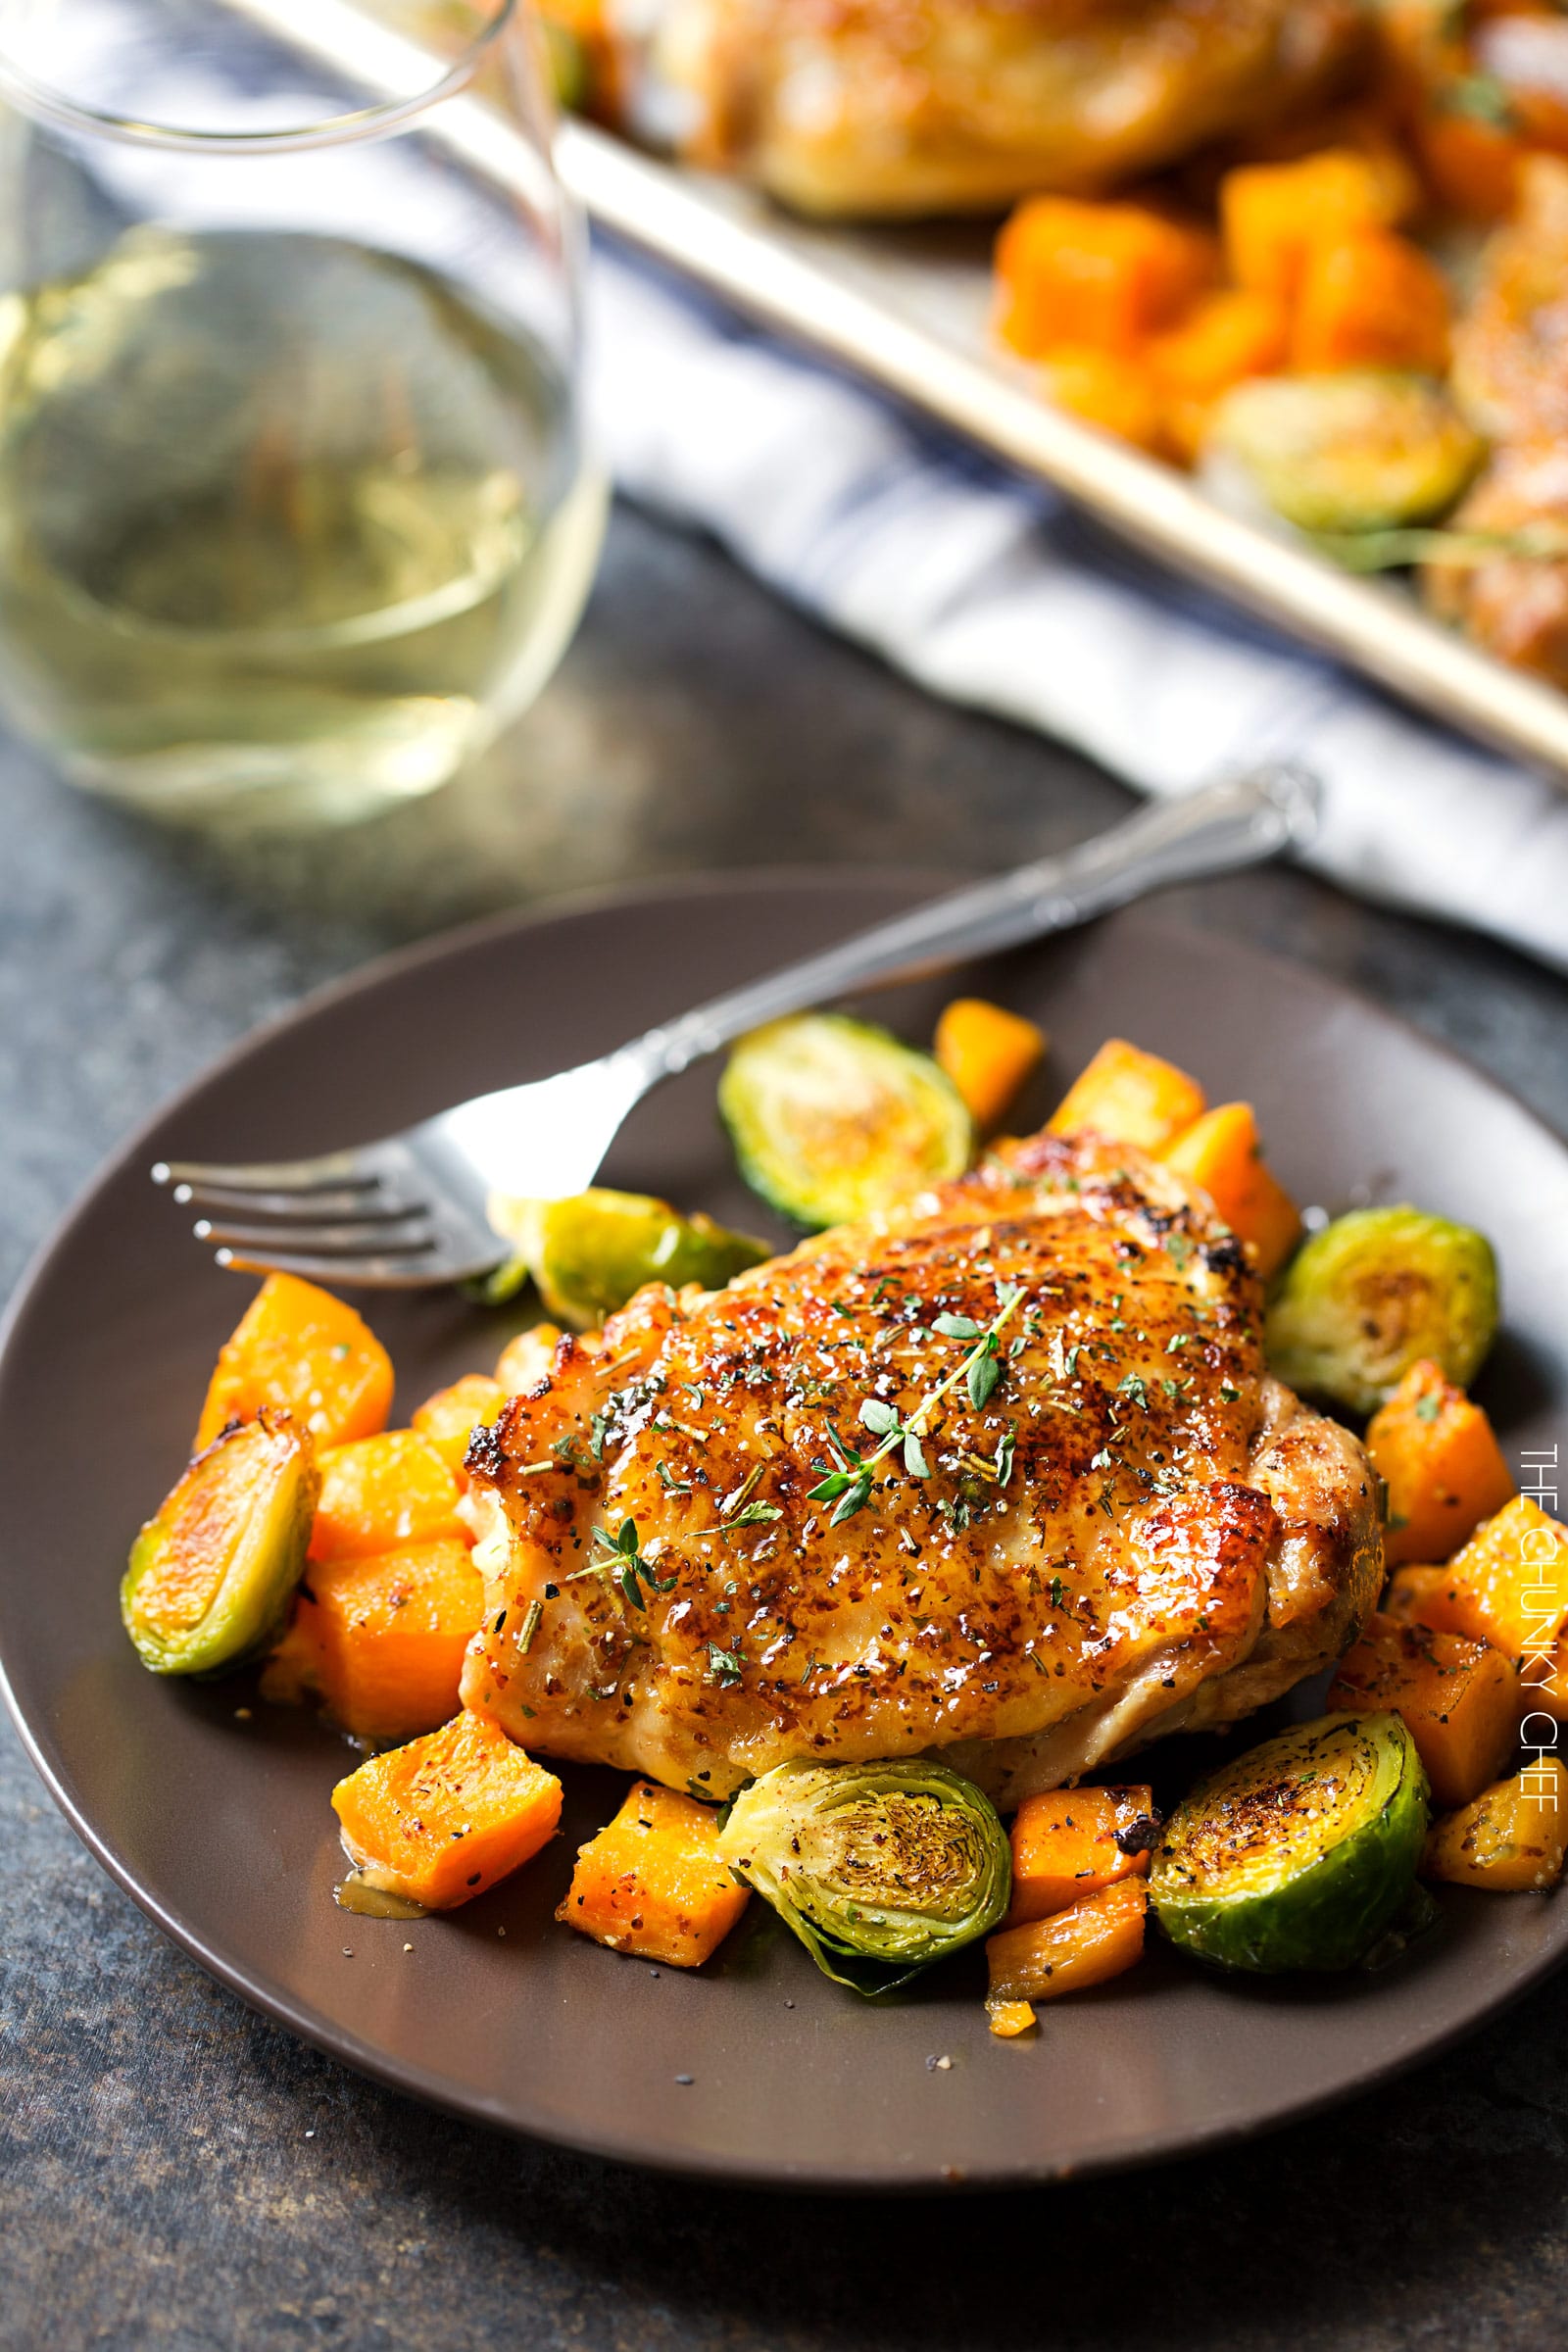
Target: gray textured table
{"type": "Point", "coordinates": [176, 2173]}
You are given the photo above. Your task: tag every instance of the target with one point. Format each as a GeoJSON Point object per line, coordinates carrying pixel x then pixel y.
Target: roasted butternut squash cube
{"type": "Point", "coordinates": [1065, 1845]}
{"type": "Point", "coordinates": [1370, 300]}
{"type": "Point", "coordinates": [1223, 1153]}
{"type": "Point", "coordinates": [1510, 1839]}
{"type": "Point", "coordinates": [448, 1419]}
{"type": "Point", "coordinates": [1095, 274]}
{"type": "Point", "coordinates": [1437, 1454]}
{"type": "Point", "coordinates": [652, 1881]}
{"type": "Point", "coordinates": [299, 1349]}
{"type": "Point", "coordinates": [1112, 390]}
{"type": "Point", "coordinates": [1273, 215]}
{"type": "Point", "coordinates": [1508, 1586]}
{"type": "Point", "coordinates": [1459, 1700]}
{"type": "Point", "coordinates": [380, 1639]}
{"type": "Point", "coordinates": [1131, 1097]}
{"type": "Point", "coordinates": [443, 1818]}
{"type": "Point", "coordinates": [1009, 2018]}
{"type": "Point", "coordinates": [988, 1053]}
{"type": "Point", "coordinates": [1096, 1938]}
{"type": "Point", "coordinates": [380, 1493]}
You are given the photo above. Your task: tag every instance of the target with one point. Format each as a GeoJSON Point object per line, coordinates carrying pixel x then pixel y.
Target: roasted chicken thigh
{"type": "Point", "coordinates": [1117, 1526]}
{"type": "Point", "coordinates": [904, 107]}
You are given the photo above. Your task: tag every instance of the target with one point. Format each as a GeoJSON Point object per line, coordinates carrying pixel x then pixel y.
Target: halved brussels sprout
{"type": "Point", "coordinates": [833, 1120]}
{"type": "Point", "coordinates": [210, 1578]}
{"type": "Point", "coordinates": [1374, 1293]}
{"type": "Point", "coordinates": [879, 1869]}
{"type": "Point", "coordinates": [1363, 451]}
{"type": "Point", "coordinates": [1299, 1854]}
{"type": "Point", "coordinates": [588, 1254]}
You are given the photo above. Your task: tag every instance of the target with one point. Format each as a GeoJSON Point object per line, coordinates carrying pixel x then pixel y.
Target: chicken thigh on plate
{"type": "Point", "coordinates": [907, 106]}
{"type": "Point", "coordinates": [1117, 1525]}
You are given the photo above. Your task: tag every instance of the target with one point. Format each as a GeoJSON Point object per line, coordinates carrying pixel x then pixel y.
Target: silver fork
{"type": "Point", "coordinates": [410, 1212]}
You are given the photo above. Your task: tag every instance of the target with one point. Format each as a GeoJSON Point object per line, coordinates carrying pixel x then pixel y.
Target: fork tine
{"type": "Point", "coordinates": [349, 1169]}
{"type": "Point", "coordinates": [364, 1207]}
{"type": "Point", "coordinates": [366, 1273]}
{"type": "Point", "coordinates": [371, 1239]}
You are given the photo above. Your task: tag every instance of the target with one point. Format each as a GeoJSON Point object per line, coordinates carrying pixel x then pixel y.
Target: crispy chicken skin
{"type": "Point", "coordinates": [1138, 1530]}
{"type": "Point", "coordinates": [907, 106]}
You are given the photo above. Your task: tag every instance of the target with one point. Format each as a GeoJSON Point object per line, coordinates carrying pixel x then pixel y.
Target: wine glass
{"type": "Point", "coordinates": [294, 506]}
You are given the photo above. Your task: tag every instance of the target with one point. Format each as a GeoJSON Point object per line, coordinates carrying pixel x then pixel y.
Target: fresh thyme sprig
{"type": "Point", "coordinates": [630, 1570]}
{"type": "Point", "coordinates": [849, 1488]}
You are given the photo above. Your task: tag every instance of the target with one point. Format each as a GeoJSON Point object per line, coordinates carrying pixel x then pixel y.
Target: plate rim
{"type": "Point", "coordinates": [421, 2082]}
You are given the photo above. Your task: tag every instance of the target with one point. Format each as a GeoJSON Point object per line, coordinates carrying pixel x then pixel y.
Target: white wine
{"type": "Point", "coordinates": [286, 524]}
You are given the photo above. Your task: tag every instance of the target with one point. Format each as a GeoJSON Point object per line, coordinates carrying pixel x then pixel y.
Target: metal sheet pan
{"type": "Point", "coordinates": [908, 308]}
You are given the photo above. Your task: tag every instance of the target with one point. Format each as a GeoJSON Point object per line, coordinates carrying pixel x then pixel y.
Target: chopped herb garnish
{"type": "Point", "coordinates": [630, 1570]}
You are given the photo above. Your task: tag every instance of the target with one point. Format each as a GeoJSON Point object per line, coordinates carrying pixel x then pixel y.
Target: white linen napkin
{"type": "Point", "coordinates": [993, 591]}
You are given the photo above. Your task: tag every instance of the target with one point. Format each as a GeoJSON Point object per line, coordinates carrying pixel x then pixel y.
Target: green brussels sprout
{"type": "Point", "coordinates": [1363, 451]}
{"type": "Point", "coordinates": [588, 1254]}
{"type": "Point", "coordinates": [879, 1869]}
{"type": "Point", "coordinates": [1371, 1295]}
{"type": "Point", "coordinates": [1301, 1854]}
{"type": "Point", "coordinates": [210, 1578]}
{"type": "Point", "coordinates": [833, 1120]}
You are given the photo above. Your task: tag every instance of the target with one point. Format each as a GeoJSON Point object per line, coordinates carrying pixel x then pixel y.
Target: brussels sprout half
{"type": "Point", "coordinates": [879, 1869]}
{"type": "Point", "coordinates": [1373, 1294]}
{"type": "Point", "coordinates": [1363, 451]}
{"type": "Point", "coordinates": [1300, 1855]}
{"type": "Point", "coordinates": [589, 1254]}
{"type": "Point", "coordinates": [833, 1120]}
{"type": "Point", "coordinates": [210, 1578]}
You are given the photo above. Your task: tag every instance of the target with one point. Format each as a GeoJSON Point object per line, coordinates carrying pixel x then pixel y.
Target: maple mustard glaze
{"type": "Point", "coordinates": [708, 1544]}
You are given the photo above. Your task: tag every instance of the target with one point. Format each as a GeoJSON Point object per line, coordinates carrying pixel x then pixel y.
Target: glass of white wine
{"type": "Point", "coordinates": [294, 507]}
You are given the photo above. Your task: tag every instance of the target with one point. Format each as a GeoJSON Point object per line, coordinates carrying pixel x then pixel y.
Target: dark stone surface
{"type": "Point", "coordinates": [173, 2172]}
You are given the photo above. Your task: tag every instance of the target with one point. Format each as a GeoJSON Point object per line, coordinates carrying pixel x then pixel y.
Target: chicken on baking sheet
{"type": "Point", "coordinates": [710, 1547]}
{"type": "Point", "coordinates": [897, 108]}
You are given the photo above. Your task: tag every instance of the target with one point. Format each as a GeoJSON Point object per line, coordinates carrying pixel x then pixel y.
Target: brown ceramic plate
{"type": "Point", "coordinates": [219, 1827]}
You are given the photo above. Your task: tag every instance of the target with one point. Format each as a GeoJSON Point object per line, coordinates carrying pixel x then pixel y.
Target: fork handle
{"type": "Point", "coordinates": [1237, 821]}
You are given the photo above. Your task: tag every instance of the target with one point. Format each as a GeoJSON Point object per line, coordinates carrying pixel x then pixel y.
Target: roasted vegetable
{"type": "Point", "coordinates": [448, 1419]}
{"type": "Point", "coordinates": [378, 1492]}
{"type": "Point", "coordinates": [1093, 1939]}
{"type": "Point", "coordinates": [1510, 1839]}
{"type": "Point", "coordinates": [1458, 1699]}
{"type": "Point", "coordinates": [1227, 338]}
{"type": "Point", "coordinates": [1441, 1462]}
{"type": "Point", "coordinates": [1508, 1586]}
{"type": "Point", "coordinates": [444, 1817]}
{"type": "Point", "coordinates": [1370, 300]}
{"type": "Point", "coordinates": [1069, 1843]}
{"type": "Point", "coordinates": [1129, 1096]}
{"type": "Point", "coordinates": [879, 1869]}
{"type": "Point", "coordinates": [380, 1639]}
{"type": "Point", "coordinates": [832, 1119]}
{"type": "Point", "coordinates": [1100, 276]}
{"type": "Point", "coordinates": [1364, 451]}
{"type": "Point", "coordinates": [988, 1053]}
{"type": "Point", "coordinates": [587, 1254]}
{"type": "Point", "coordinates": [1373, 1294]}
{"type": "Point", "coordinates": [653, 1883]}
{"type": "Point", "coordinates": [1274, 215]}
{"type": "Point", "coordinates": [1300, 1853]}
{"type": "Point", "coordinates": [302, 1350]}
{"type": "Point", "coordinates": [1112, 390]}
{"type": "Point", "coordinates": [1223, 1153]}
{"type": "Point", "coordinates": [210, 1578]}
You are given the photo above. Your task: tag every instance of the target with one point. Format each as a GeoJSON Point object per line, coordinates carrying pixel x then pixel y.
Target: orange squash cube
{"type": "Point", "coordinates": [448, 1419]}
{"type": "Point", "coordinates": [1130, 1096]}
{"type": "Point", "coordinates": [1508, 1586]}
{"type": "Point", "coordinates": [1223, 1153]}
{"type": "Point", "coordinates": [1064, 1846]}
{"type": "Point", "coordinates": [1371, 300]}
{"type": "Point", "coordinates": [1442, 1465]}
{"type": "Point", "coordinates": [1458, 1698]}
{"type": "Point", "coordinates": [1509, 1840]}
{"type": "Point", "coordinates": [1273, 215]}
{"type": "Point", "coordinates": [1096, 1938]}
{"type": "Point", "coordinates": [298, 1348]}
{"type": "Point", "coordinates": [651, 1883]}
{"type": "Point", "coordinates": [988, 1053]}
{"type": "Point", "coordinates": [1471, 166]}
{"type": "Point", "coordinates": [380, 1639]}
{"type": "Point", "coordinates": [443, 1818]}
{"type": "Point", "coordinates": [380, 1493]}
{"type": "Point", "coordinates": [1228, 337]}
{"type": "Point", "coordinates": [1009, 2018]}
{"type": "Point", "coordinates": [1107, 389]}
{"type": "Point", "coordinates": [1104, 276]}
